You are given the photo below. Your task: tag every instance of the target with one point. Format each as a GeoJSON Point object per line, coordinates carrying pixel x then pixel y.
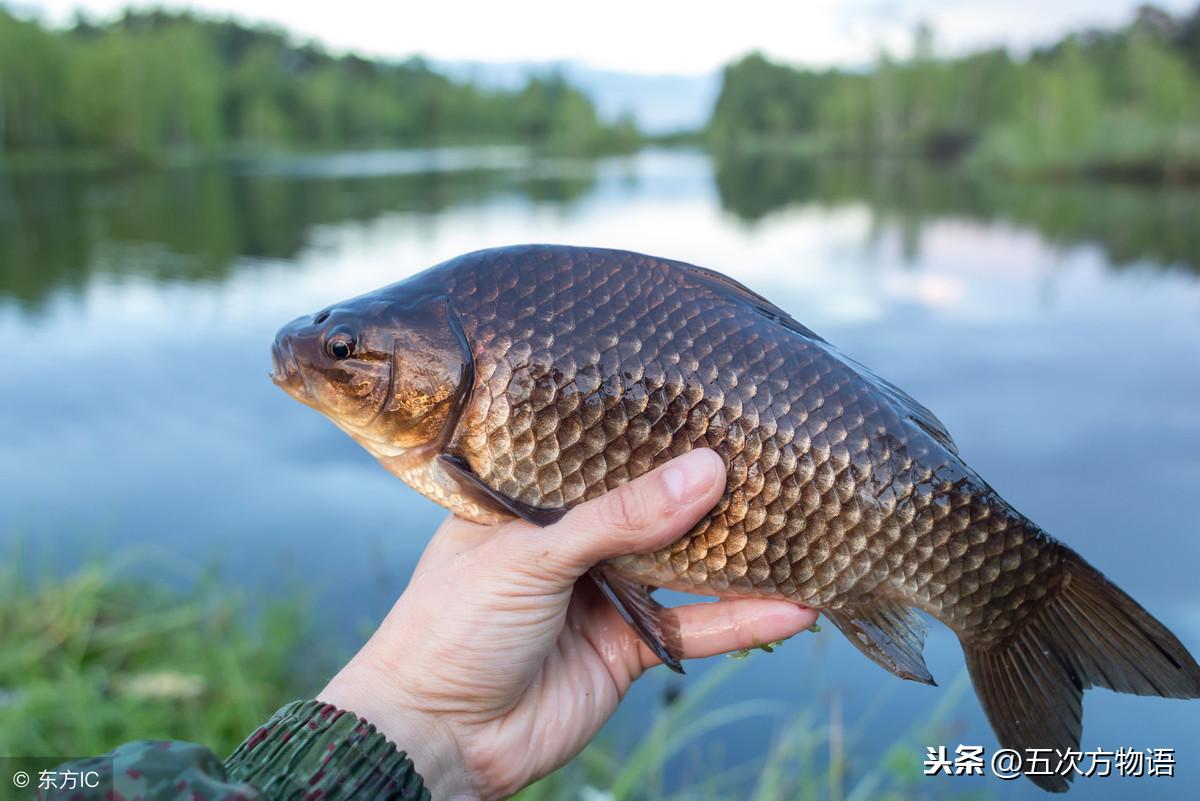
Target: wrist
{"type": "Point", "coordinates": [429, 743]}
{"type": "Point", "coordinates": [318, 750]}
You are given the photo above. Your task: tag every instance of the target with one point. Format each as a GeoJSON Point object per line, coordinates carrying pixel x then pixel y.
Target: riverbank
{"type": "Point", "coordinates": [95, 658]}
{"type": "Point", "coordinates": [1146, 168]}
{"type": "Point", "coordinates": [95, 160]}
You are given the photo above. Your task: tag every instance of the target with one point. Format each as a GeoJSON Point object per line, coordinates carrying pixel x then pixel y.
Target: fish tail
{"type": "Point", "coordinates": [1088, 634]}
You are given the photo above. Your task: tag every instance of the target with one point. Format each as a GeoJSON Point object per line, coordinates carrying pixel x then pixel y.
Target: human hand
{"type": "Point", "coordinates": [497, 665]}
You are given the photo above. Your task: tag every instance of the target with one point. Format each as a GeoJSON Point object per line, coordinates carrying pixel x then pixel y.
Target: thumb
{"type": "Point", "coordinates": [643, 515]}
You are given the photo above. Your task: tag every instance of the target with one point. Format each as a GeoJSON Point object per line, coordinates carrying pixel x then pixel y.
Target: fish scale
{"type": "Point", "coordinates": [524, 381]}
{"type": "Point", "coordinates": [632, 341]}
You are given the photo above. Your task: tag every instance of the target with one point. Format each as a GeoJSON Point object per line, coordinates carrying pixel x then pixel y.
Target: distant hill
{"type": "Point", "coordinates": [658, 103]}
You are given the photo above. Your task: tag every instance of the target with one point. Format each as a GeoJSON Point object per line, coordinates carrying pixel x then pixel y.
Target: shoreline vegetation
{"type": "Point", "coordinates": [162, 89]}
{"type": "Point", "coordinates": [95, 658]}
{"type": "Point", "coordinates": [1118, 105]}
{"type": "Point", "coordinates": [154, 87]}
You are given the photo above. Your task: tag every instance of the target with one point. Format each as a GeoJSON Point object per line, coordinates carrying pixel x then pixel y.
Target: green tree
{"type": "Point", "coordinates": [140, 94]}
{"type": "Point", "coordinates": [151, 84]}
{"type": "Point", "coordinates": [32, 69]}
{"type": "Point", "coordinates": [1120, 102]}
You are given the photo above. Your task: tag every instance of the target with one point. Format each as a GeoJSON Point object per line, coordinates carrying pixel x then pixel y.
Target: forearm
{"type": "Point", "coordinates": [309, 747]}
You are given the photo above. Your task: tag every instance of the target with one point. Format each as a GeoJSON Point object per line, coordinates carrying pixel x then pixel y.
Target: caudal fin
{"type": "Point", "coordinates": [1091, 634]}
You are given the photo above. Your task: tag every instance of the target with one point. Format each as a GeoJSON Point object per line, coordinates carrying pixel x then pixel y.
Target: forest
{"type": "Point", "coordinates": [1119, 103]}
{"type": "Point", "coordinates": [152, 85]}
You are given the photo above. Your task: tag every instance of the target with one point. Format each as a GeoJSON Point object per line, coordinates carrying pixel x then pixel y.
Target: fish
{"type": "Point", "coordinates": [521, 381]}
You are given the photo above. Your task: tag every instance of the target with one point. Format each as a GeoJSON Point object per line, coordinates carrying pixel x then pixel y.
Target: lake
{"type": "Point", "coordinates": [1055, 329]}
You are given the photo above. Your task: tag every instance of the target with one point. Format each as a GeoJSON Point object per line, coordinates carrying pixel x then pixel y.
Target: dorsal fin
{"type": "Point", "coordinates": [725, 285]}
{"type": "Point", "coordinates": [913, 409]}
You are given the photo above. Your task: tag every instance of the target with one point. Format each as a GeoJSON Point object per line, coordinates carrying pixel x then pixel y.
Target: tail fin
{"type": "Point", "coordinates": [1091, 634]}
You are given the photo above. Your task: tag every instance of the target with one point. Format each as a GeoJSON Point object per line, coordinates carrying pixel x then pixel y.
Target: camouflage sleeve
{"type": "Point", "coordinates": [306, 750]}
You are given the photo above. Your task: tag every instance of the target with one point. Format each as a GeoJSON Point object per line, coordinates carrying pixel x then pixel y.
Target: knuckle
{"type": "Point", "coordinates": [525, 552]}
{"type": "Point", "coordinates": [743, 637]}
{"type": "Point", "coordinates": [625, 509]}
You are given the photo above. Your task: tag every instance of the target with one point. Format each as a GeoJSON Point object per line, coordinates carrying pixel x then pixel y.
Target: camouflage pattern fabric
{"type": "Point", "coordinates": [307, 750]}
{"type": "Point", "coordinates": [155, 769]}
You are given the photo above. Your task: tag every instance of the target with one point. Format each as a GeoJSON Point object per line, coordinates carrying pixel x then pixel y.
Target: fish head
{"type": "Point", "coordinates": [389, 367]}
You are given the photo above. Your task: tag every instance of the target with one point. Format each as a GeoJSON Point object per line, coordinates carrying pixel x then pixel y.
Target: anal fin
{"type": "Point", "coordinates": [474, 486]}
{"type": "Point", "coordinates": [651, 621]}
{"type": "Point", "coordinates": [889, 633]}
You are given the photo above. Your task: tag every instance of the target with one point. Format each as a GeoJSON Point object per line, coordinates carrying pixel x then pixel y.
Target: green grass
{"type": "Point", "coordinates": [94, 659]}
{"type": "Point", "coordinates": [91, 660]}
{"type": "Point", "coordinates": [807, 760]}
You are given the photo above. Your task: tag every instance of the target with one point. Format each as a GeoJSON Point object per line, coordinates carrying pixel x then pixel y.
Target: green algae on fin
{"type": "Point", "coordinates": [768, 648]}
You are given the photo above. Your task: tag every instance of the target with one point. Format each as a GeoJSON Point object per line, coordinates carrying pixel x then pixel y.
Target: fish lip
{"type": "Point", "coordinates": [286, 371]}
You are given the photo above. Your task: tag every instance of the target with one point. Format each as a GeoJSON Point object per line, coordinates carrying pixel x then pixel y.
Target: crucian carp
{"type": "Point", "coordinates": [521, 381]}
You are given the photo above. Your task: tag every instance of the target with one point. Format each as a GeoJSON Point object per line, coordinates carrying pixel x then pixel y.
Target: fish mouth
{"type": "Point", "coordinates": [285, 370]}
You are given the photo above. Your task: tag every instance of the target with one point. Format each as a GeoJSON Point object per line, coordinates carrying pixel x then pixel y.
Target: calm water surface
{"type": "Point", "coordinates": [1055, 330]}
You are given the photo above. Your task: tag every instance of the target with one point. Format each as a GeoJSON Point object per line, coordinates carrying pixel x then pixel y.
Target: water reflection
{"type": "Point", "coordinates": [1133, 224]}
{"type": "Point", "coordinates": [57, 230]}
{"type": "Point", "coordinates": [60, 230]}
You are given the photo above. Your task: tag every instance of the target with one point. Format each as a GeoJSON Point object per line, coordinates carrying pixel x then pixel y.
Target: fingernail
{"type": "Point", "coordinates": [689, 475]}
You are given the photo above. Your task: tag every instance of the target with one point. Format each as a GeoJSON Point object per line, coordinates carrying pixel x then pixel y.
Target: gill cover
{"type": "Point", "coordinates": [432, 374]}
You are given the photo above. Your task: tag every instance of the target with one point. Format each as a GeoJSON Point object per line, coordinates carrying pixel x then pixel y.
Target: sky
{"type": "Point", "coordinates": [664, 37]}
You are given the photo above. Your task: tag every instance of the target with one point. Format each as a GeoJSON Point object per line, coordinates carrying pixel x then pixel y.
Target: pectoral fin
{"type": "Point", "coordinates": [891, 634]}
{"type": "Point", "coordinates": [481, 493]}
{"type": "Point", "coordinates": [654, 624]}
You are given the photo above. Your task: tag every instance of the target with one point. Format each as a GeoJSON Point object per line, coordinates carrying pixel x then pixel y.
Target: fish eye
{"type": "Point", "coordinates": [340, 346]}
